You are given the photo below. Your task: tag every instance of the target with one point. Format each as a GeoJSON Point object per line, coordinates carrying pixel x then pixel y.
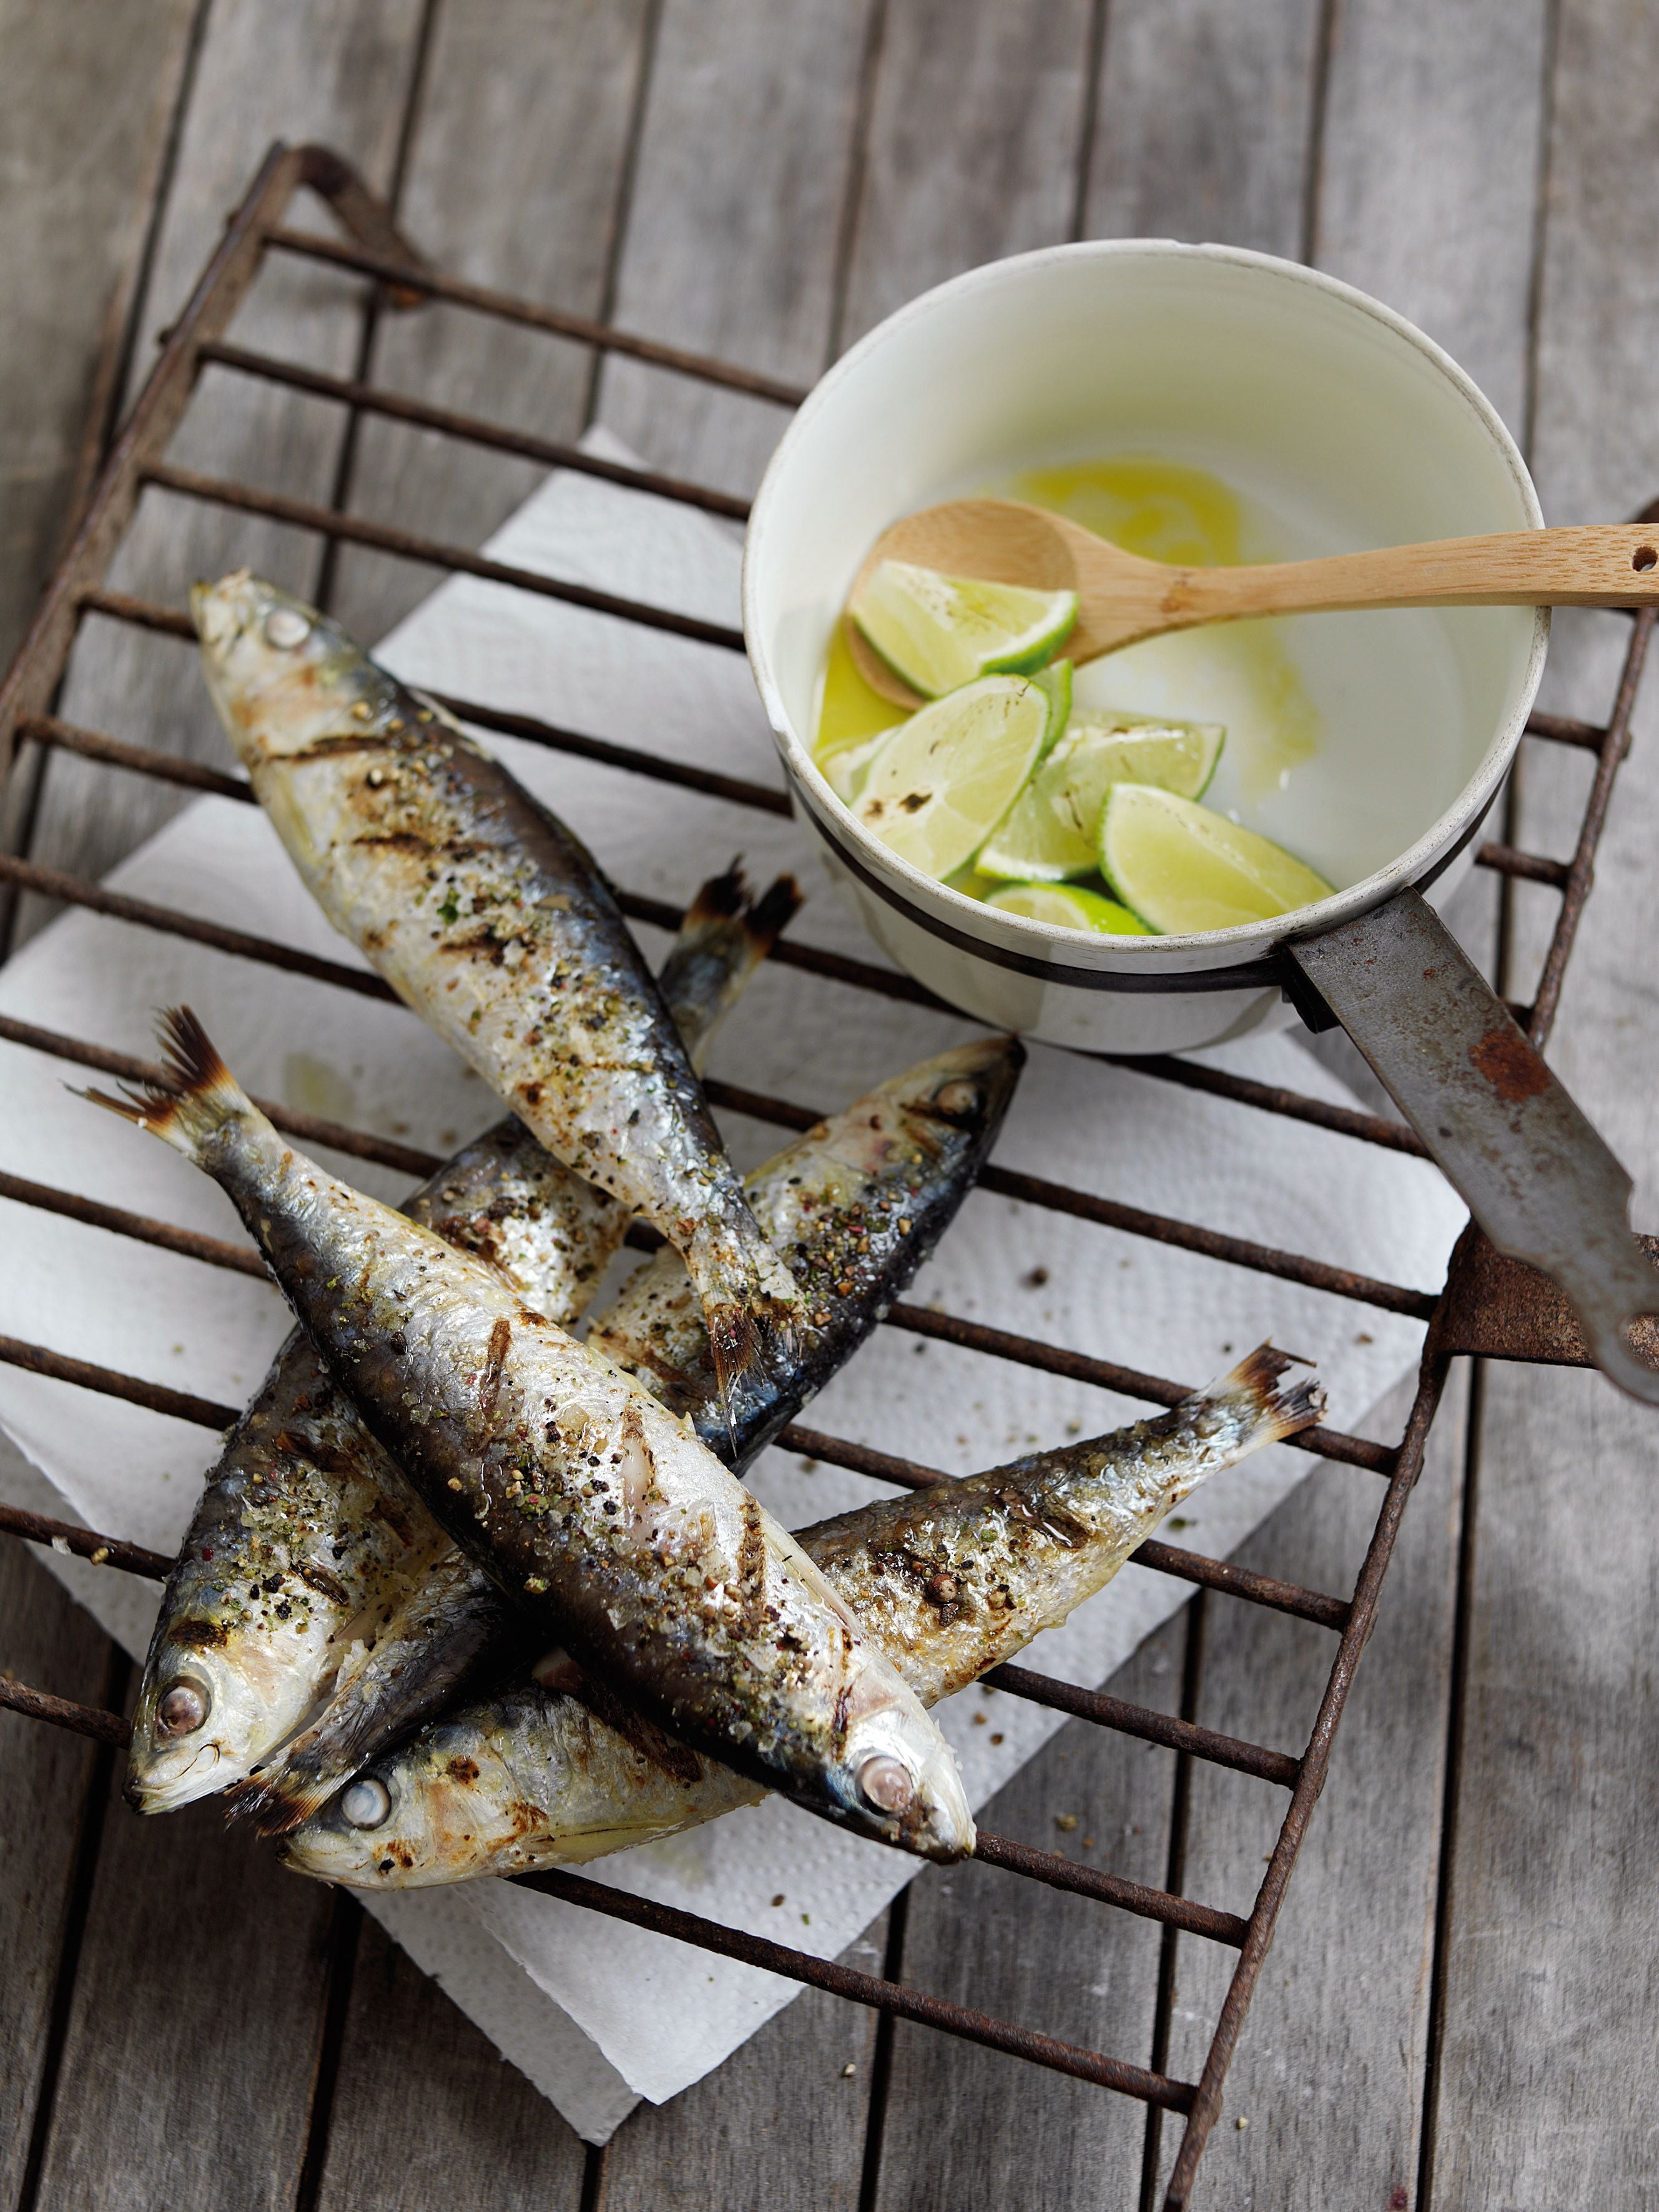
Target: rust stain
{"type": "Point", "coordinates": [1505, 1060]}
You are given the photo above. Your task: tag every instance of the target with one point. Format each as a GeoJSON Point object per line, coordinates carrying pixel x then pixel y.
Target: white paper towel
{"type": "Point", "coordinates": [597, 2013]}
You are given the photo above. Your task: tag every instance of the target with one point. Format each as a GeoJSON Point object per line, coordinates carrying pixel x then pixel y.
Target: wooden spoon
{"type": "Point", "coordinates": [1121, 598]}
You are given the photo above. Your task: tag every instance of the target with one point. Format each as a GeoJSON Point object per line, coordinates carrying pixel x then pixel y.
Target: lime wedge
{"type": "Point", "coordinates": [1064, 906]}
{"type": "Point", "coordinates": [1054, 682]}
{"type": "Point", "coordinates": [940, 632]}
{"type": "Point", "coordinates": [1054, 830]}
{"type": "Point", "coordinates": [942, 781]}
{"type": "Point", "coordinates": [1182, 868]}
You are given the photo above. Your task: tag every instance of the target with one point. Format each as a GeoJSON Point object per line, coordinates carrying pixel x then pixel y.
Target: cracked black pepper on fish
{"type": "Point", "coordinates": [600, 1511]}
{"type": "Point", "coordinates": [952, 1581]}
{"type": "Point", "coordinates": [489, 917]}
{"type": "Point", "coordinates": [314, 1591]}
{"type": "Point", "coordinates": [855, 1205]}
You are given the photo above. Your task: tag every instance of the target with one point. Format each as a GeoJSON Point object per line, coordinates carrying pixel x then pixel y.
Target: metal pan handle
{"type": "Point", "coordinates": [1503, 1131]}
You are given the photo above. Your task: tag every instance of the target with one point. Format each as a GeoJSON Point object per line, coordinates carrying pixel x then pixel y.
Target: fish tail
{"type": "Point", "coordinates": [1275, 1414]}
{"type": "Point", "coordinates": [722, 898]}
{"type": "Point", "coordinates": [727, 898]}
{"type": "Point", "coordinates": [194, 1098]}
{"type": "Point", "coordinates": [724, 936]}
{"type": "Point", "coordinates": [771, 914]}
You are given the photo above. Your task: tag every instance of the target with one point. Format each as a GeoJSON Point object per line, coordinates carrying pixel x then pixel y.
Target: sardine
{"type": "Point", "coordinates": [855, 1205]}
{"type": "Point", "coordinates": [308, 1548]}
{"type": "Point", "coordinates": [612, 1525]}
{"type": "Point", "coordinates": [487, 915]}
{"type": "Point", "coordinates": [306, 1532]}
{"type": "Point", "coordinates": [952, 1581]}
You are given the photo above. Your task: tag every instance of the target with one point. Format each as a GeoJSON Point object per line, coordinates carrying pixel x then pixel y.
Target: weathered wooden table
{"type": "Point", "coordinates": [1457, 2008]}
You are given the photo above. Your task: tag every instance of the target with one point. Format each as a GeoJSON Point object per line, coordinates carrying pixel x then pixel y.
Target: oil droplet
{"type": "Point", "coordinates": [1167, 511]}
{"type": "Point", "coordinates": [1160, 509]}
{"type": "Point", "coordinates": [851, 711]}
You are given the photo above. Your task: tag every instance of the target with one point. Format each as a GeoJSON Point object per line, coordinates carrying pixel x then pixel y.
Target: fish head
{"type": "Point", "coordinates": [959, 1096]}
{"type": "Point", "coordinates": [206, 1715]}
{"type": "Point", "coordinates": [898, 1779]}
{"type": "Point", "coordinates": [441, 1808]}
{"type": "Point", "coordinates": [282, 675]}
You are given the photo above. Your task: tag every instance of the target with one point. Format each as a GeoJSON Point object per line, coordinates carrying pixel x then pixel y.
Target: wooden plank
{"type": "Point", "coordinates": [737, 210]}
{"type": "Point", "coordinates": [514, 180]}
{"type": "Point", "coordinates": [975, 128]}
{"type": "Point", "coordinates": [782, 2122]}
{"type": "Point", "coordinates": [47, 1640]}
{"type": "Point", "coordinates": [1436, 114]}
{"type": "Point", "coordinates": [738, 204]}
{"type": "Point", "coordinates": [192, 2039]}
{"type": "Point", "coordinates": [1206, 122]}
{"type": "Point", "coordinates": [341, 74]}
{"type": "Point", "coordinates": [83, 119]}
{"type": "Point", "coordinates": [427, 2113]}
{"type": "Point", "coordinates": [1330, 2072]}
{"type": "Point", "coordinates": [1328, 2075]}
{"type": "Point", "coordinates": [515, 174]}
{"type": "Point", "coordinates": [967, 2130]}
{"type": "Point", "coordinates": [1549, 1973]}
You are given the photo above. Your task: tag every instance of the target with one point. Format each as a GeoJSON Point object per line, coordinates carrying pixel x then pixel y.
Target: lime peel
{"type": "Point", "coordinates": [1066, 905]}
{"type": "Point", "coordinates": [1184, 869]}
{"type": "Point", "coordinates": [941, 782]}
{"type": "Point", "coordinates": [1052, 834]}
{"type": "Point", "coordinates": [941, 632]}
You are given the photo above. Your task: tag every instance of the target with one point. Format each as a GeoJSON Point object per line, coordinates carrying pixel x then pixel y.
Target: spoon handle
{"type": "Point", "coordinates": [1598, 565]}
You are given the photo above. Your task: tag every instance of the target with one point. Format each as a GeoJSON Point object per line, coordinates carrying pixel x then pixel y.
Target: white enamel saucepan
{"type": "Point", "coordinates": [1345, 427]}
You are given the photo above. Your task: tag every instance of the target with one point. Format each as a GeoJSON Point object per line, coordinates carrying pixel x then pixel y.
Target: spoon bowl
{"type": "Point", "coordinates": [1122, 597]}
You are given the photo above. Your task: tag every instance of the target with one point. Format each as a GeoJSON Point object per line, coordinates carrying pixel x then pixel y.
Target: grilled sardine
{"type": "Point", "coordinates": [606, 1519]}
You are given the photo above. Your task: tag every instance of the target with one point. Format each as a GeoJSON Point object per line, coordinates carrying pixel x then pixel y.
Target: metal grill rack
{"type": "Point", "coordinates": [1488, 1306]}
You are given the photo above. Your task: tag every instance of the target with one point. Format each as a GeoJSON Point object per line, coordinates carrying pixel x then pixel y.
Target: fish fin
{"type": "Point", "coordinates": [751, 1338]}
{"type": "Point", "coordinates": [722, 898]}
{"type": "Point", "coordinates": [197, 1095]}
{"type": "Point", "coordinates": [760, 921]}
{"type": "Point", "coordinates": [1278, 1413]}
{"type": "Point", "coordinates": [772, 914]}
{"type": "Point", "coordinates": [277, 1806]}
{"type": "Point", "coordinates": [299, 1779]}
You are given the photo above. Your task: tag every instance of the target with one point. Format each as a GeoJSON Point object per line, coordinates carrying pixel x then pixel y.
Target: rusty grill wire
{"type": "Point", "coordinates": [376, 253]}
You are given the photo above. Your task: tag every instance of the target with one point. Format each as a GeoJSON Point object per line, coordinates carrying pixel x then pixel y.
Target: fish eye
{"type": "Point", "coordinates": [182, 1708]}
{"type": "Point", "coordinates": [958, 1097]}
{"type": "Point", "coordinates": [884, 1784]}
{"type": "Point", "coordinates": [366, 1803]}
{"type": "Point", "coordinates": [286, 627]}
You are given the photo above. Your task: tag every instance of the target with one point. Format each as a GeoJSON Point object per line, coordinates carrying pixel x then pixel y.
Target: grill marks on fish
{"type": "Point", "coordinates": [396, 1619]}
{"type": "Point", "coordinates": [486, 914]}
{"type": "Point", "coordinates": [551, 1234]}
{"type": "Point", "coordinates": [489, 1386]}
{"type": "Point", "coordinates": [859, 1198]}
{"type": "Point", "coordinates": [953, 1581]}
{"type": "Point", "coordinates": [531, 1492]}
